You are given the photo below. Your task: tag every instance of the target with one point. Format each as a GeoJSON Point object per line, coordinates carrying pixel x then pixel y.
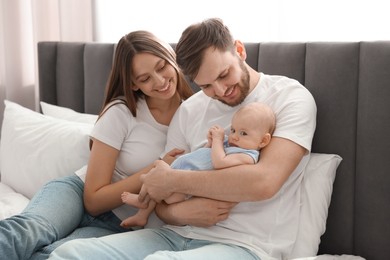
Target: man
{"type": "Point", "coordinates": [264, 223]}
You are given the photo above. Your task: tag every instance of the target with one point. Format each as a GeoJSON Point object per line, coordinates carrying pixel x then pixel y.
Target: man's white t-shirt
{"type": "Point", "coordinates": [140, 141]}
{"type": "Point", "coordinates": [268, 228]}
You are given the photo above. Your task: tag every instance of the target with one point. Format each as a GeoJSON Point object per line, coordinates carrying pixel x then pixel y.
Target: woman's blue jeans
{"type": "Point", "coordinates": [55, 215]}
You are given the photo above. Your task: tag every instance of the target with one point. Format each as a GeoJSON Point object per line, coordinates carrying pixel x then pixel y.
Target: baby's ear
{"type": "Point", "coordinates": [265, 140]}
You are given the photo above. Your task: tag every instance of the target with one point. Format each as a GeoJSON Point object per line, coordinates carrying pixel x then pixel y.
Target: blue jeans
{"type": "Point", "coordinates": [55, 215]}
{"type": "Point", "coordinates": [149, 244]}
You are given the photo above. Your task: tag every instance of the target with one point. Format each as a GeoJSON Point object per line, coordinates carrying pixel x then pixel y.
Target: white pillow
{"type": "Point", "coordinates": [317, 188]}
{"type": "Point", "coordinates": [67, 114]}
{"type": "Point", "coordinates": [11, 202]}
{"type": "Point", "coordinates": [36, 148]}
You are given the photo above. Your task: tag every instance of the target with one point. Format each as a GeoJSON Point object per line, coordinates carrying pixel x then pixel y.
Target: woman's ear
{"type": "Point", "coordinates": [134, 88]}
{"type": "Point", "coordinates": [240, 48]}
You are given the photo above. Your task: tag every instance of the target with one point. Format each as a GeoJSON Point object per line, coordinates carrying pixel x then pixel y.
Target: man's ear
{"type": "Point", "coordinates": [240, 48]}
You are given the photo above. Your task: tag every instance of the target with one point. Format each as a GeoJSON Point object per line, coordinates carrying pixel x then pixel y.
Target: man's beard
{"type": "Point", "coordinates": [243, 86]}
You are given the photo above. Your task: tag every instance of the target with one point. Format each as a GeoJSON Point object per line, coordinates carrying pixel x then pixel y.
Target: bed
{"type": "Point", "coordinates": [347, 199]}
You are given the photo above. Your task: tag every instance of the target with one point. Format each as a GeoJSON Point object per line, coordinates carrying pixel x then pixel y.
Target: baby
{"type": "Point", "coordinates": [251, 129]}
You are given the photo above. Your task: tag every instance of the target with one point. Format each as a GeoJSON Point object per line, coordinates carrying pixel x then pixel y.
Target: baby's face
{"type": "Point", "coordinates": [245, 133]}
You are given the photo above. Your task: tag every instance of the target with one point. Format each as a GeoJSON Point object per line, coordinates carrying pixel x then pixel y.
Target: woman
{"type": "Point", "coordinates": [144, 90]}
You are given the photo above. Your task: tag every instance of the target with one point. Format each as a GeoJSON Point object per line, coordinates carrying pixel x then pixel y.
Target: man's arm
{"type": "Point", "coordinates": [241, 183]}
{"type": "Point", "coordinates": [200, 212]}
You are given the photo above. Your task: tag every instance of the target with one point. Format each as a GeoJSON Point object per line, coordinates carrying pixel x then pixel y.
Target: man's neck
{"type": "Point", "coordinates": [254, 78]}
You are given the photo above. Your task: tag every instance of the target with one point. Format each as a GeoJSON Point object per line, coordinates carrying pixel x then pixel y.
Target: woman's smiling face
{"type": "Point", "coordinates": [154, 76]}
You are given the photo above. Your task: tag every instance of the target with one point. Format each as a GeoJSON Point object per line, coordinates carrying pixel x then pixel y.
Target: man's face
{"type": "Point", "coordinates": [223, 76]}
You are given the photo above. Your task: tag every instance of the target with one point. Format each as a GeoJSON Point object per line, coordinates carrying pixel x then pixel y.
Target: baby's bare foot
{"type": "Point", "coordinates": [134, 221]}
{"type": "Point", "coordinates": [132, 200]}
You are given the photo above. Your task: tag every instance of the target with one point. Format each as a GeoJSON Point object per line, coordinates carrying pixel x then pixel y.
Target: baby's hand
{"type": "Point", "coordinates": [209, 139]}
{"type": "Point", "coordinates": [217, 132]}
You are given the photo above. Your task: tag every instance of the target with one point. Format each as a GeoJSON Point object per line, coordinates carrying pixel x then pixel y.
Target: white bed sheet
{"type": "Point", "coordinates": [332, 257]}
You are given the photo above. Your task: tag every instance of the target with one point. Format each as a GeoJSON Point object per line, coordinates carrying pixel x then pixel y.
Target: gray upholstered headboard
{"type": "Point", "coordinates": [351, 85]}
{"type": "Point", "coordinates": [74, 74]}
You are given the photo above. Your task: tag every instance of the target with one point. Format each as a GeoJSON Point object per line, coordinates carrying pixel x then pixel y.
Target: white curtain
{"type": "Point", "coordinates": [23, 23]}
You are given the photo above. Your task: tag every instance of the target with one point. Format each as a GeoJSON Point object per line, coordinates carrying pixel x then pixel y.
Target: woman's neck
{"type": "Point", "coordinates": [163, 110]}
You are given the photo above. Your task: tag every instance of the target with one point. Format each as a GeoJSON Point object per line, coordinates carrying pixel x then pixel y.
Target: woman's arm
{"type": "Point", "coordinates": [100, 195]}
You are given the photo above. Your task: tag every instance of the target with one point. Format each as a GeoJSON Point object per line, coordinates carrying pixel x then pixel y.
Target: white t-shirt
{"type": "Point", "coordinates": [268, 228]}
{"type": "Point", "coordinates": [140, 141]}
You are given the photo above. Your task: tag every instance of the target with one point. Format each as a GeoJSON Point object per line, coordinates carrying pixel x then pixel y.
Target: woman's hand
{"type": "Point", "coordinates": [171, 155]}
{"type": "Point", "coordinates": [200, 212]}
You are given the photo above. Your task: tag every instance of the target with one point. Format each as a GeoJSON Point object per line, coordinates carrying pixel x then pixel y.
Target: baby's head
{"type": "Point", "coordinates": [252, 126]}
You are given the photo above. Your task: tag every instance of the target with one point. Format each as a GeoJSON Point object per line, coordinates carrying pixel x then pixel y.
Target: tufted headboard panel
{"type": "Point", "coordinates": [74, 74]}
{"type": "Point", "coordinates": [350, 82]}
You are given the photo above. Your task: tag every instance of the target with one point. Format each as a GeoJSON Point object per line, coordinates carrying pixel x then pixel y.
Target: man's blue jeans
{"type": "Point", "coordinates": [149, 244]}
{"type": "Point", "coordinates": [55, 215]}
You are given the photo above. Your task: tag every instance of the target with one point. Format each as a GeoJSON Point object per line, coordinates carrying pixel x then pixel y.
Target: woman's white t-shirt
{"type": "Point", "coordinates": [140, 141]}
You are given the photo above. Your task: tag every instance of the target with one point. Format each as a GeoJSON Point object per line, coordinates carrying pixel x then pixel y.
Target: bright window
{"type": "Point", "coordinates": [249, 20]}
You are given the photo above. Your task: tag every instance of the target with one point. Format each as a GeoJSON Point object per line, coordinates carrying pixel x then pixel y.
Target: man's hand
{"type": "Point", "coordinates": [200, 212]}
{"type": "Point", "coordinates": [156, 183]}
